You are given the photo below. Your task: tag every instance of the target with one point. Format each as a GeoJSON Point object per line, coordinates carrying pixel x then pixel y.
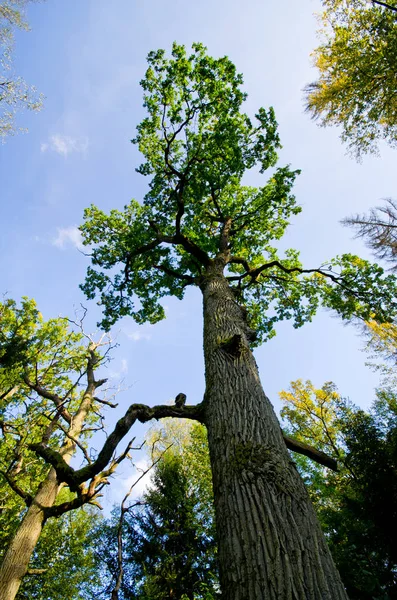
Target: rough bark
{"type": "Point", "coordinates": [15, 563]}
{"type": "Point", "coordinates": [16, 560]}
{"type": "Point", "coordinates": [270, 542]}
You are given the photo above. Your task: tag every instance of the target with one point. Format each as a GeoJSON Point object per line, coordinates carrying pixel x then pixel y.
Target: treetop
{"type": "Point", "coordinates": [197, 214]}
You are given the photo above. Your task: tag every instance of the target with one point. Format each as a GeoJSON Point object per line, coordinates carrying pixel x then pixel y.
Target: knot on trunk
{"type": "Point", "coordinates": [234, 346]}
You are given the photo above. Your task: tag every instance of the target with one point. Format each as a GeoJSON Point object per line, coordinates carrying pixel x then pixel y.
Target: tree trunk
{"type": "Point", "coordinates": [270, 542]}
{"type": "Point", "coordinates": [16, 560]}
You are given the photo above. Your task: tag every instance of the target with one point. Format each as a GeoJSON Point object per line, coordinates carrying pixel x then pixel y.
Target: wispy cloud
{"type": "Point", "coordinates": [121, 372]}
{"type": "Point", "coordinates": [137, 335]}
{"type": "Point", "coordinates": [142, 485]}
{"type": "Point", "coordinates": [68, 236]}
{"type": "Point", "coordinates": [65, 145]}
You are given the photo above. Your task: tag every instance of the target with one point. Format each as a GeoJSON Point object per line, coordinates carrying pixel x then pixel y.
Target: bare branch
{"type": "Point", "coordinates": [44, 393]}
{"type": "Point", "coordinates": [27, 498]}
{"type": "Point", "coordinates": [379, 230]}
{"type": "Point", "coordinates": [136, 412]}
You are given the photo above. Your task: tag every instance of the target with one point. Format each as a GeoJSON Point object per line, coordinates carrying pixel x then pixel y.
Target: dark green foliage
{"type": "Point", "coordinates": [169, 539]}
{"type": "Point", "coordinates": [357, 506]}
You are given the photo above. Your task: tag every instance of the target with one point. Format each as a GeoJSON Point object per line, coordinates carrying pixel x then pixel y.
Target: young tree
{"type": "Point", "coordinates": [162, 545]}
{"type": "Point", "coordinates": [15, 93]}
{"type": "Point", "coordinates": [200, 226]}
{"type": "Point", "coordinates": [356, 505]}
{"type": "Point", "coordinates": [357, 62]}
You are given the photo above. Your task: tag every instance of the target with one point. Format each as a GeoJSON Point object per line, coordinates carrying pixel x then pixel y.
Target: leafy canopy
{"type": "Point", "coordinates": [198, 218]}
{"type": "Point", "coordinates": [356, 505]}
{"type": "Point", "coordinates": [15, 93]}
{"type": "Point", "coordinates": [168, 535]}
{"type": "Point", "coordinates": [357, 63]}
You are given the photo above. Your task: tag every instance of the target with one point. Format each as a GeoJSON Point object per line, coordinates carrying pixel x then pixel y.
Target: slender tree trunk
{"type": "Point", "coordinates": [16, 559]}
{"type": "Point", "coordinates": [270, 542]}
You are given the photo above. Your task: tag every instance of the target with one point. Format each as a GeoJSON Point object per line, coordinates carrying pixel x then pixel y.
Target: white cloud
{"type": "Point", "coordinates": [142, 485]}
{"type": "Point", "coordinates": [138, 336]}
{"type": "Point", "coordinates": [66, 236]}
{"type": "Point", "coordinates": [119, 373]}
{"type": "Point", "coordinates": [65, 145]}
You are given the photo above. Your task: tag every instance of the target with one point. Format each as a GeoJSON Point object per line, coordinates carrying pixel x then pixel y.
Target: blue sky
{"type": "Point", "coordinates": [87, 57]}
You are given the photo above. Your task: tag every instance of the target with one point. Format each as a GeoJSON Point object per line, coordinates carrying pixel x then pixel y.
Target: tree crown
{"type": "Point", "coordinates": [198, 217]}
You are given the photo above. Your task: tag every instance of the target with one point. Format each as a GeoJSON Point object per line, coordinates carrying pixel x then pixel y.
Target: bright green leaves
{"type": "Point", "coordinates": [28, 345]}
{"type": "Point", "coordinates": [197, 146]}
{"type": "Point", "coordinates": [196, 141]}
{"type": "Point", "coordinates": [198, 217]}
{"type": "Point", "coordinates": [356, 505]}
{"type": "Point", "coordinates": [127, 240]}
{"type": "Point", "coordinates": [357, 63]}
{"type": "Point", "coordinates": [360, 289]}
{"type": "Point", "coordinates": [311, 415]}
{"type": "Point", "coordinates": [38, 359]}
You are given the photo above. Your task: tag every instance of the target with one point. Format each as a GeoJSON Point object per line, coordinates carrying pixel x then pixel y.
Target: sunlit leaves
{"type": "Point", "coordinates": [357, 63]}
{"type": "Point", "coordinates": [356, 505]}
{"type": "Point", "coordinates": [15, 93]}
{"type": "Point", "coordinates": [197, 145]}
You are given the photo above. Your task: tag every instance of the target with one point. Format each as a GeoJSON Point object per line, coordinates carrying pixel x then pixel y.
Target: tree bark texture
{"type": "Point", "coordinates": [15, 562]}
{"type": "Point", "coordinates": [270, 543]}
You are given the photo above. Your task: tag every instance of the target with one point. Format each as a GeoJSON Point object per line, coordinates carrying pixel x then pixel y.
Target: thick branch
{"type": "Point", "coordinates": [44, 393]}
{"type": "Point", "coordinates": [136, 412]}
{"type": "Point", "coordinates": [316, 455]}
{"type": "Point", "coordinates": [176, 274]}
{"type": "Point", "coordinates": [192, 248]}
{"type": "Point", "coordinates": [254, 273]}
{"type": "Point", "coordinates": [106, 402]}
{"type": "Point", "coordinates": [385, 5]}
{"type": "Point", "coordinates": [27, 498]}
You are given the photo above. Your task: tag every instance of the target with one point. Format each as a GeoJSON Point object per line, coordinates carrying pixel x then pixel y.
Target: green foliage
{"type": "Point", "coordinates": [66, 554]}
{"type": "Point", "coordinates": [15, 93]}
{"type": "Point", "coordinates": [357, 505]}
{"type": "Point", "coordinates": [169, 539]}
{"type": "Point", "coordinates": [198, 217]}
{"type": "Point", "coordinates": [34, 355]}
{"type": "Point", "coordinates": [357, 63]}
{"type": "Point", "coordinates": [42, 364]}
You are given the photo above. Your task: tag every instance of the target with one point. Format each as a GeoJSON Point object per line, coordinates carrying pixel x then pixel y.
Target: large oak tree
{"type": "Point", "coordinates": [200, 226]}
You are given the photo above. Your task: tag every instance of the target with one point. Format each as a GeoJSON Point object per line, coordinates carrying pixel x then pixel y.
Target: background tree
{"type": "Point", "coordinates": [357, 62]}
{"type": "Point", "coordinates": [64, 563]}
{"type": "Point", "coordinates": [48, 397]}
{"type": "Point", "coordinates": [15, 93]}
{"type": "Point", "coordinates": [379, 230]}
{"type": "Point", "coordinates": [169, 533]}
{"type": "Point", "coordinates": [356, 505]}
{"type": "Point", "coordinates": [200, 226]}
